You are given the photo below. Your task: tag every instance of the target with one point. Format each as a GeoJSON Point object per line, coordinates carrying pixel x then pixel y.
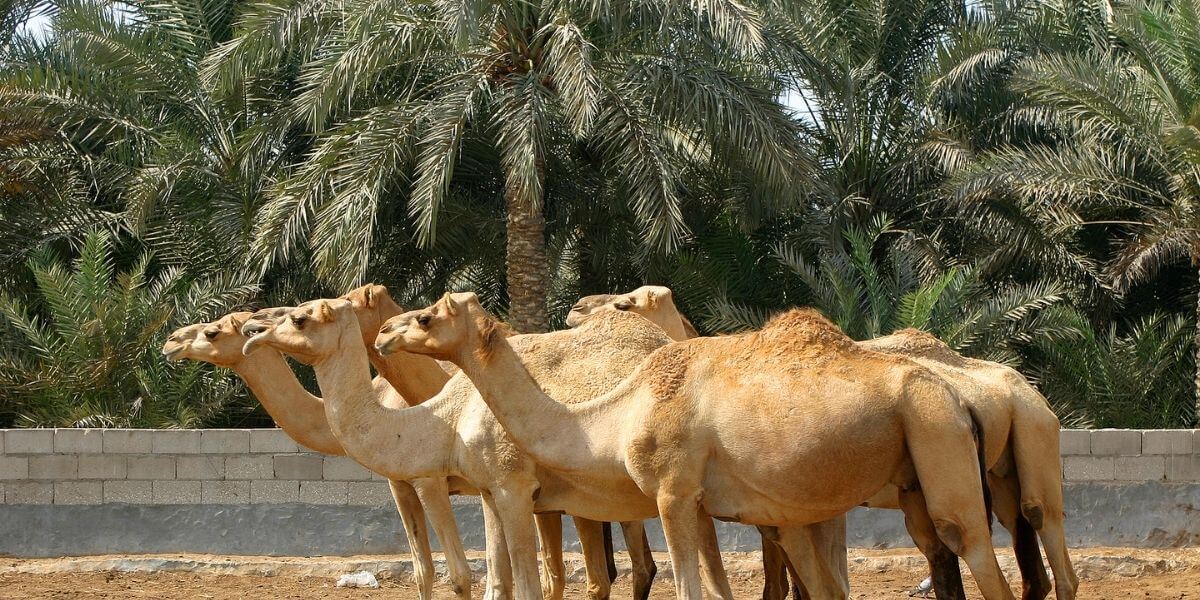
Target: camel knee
{"type": "Point", "coordinates": [1034, 513]}
{"type": "Point", "coordinates": [952, 535]}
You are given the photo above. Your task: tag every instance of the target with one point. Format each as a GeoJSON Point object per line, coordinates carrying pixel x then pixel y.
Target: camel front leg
{"type": "Point", "coordinates": [554, 572]}
{"type": "Point", "coordinates": [811, 550]}
{"type": "Point", "coordinates": [641, 559]}
{"type": "Point", "coordinates": [712, 568]}
{"type": "Point", "coordinates": [515, 508]}
{"type": "Point", "coordinates": [595, 553]}
{"type": "Point", "coordinates": [775, 573]}
{"type": "Point", "coordinates": [412, 516]}
{"type": "Point", "coordinates": [435, 497]}
{"type": "Point", "coordinates": [681, 526]}
{"type": "Point", "coordinates": [499, 582]}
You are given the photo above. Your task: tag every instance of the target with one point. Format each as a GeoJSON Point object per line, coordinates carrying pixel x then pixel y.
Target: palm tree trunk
{"type": "Point", "coordinates": [1196, 350]}
{"type": "Point", "coordinates": [527, 267]}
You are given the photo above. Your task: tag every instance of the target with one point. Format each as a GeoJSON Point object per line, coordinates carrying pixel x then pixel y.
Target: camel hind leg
{"type": "Point", "coordinates": [775, 573]}
{"type": "Point", "coordinates": [943, 564]}
{"type": "Point", "coordinates": [812, 552]}
{"type": "Point", "coordinates": [591, 538]}
{"type": "Point", "coordinates": [1039, 470]}
{"type": "Point", "coordinates": [554, 572]}
{"type": "Point", "coordinates": [944, 451]}
{"type": "Point", "coordinates": [1006, 495]}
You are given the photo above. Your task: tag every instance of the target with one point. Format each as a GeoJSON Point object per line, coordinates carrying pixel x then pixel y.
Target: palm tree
{"type": "Point", "coordinates": [498, 99]}
{"type": "Point", "coordinates": [1125, 148]}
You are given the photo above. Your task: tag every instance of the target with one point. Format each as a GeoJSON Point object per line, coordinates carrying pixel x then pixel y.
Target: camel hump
{"type": "Point", "coordinates": [629, 326]}
{"type": "Point", "coordinates": [916, 343]}
{"type": "Point", "coordinates": [807, 327]}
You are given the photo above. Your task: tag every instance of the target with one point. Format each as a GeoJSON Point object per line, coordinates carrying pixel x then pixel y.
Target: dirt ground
{"type": "Point", "coordinates": [1168, 574]}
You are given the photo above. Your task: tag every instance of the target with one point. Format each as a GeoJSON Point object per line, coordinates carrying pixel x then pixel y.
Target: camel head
{"type": "Point", "coordinates": [309, 332]}
{"type": "Point", "coordinates": [654, 302]}
{"type": "Point", "coordinates": [455, 324]}
{"type": "Point", "coordinates": [373, 305]}
{"type": "Point", "coordinates": [219, 342]}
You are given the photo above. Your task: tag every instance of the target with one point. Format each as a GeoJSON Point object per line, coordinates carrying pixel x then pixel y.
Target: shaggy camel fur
{"type": "Point", "coordinates": [459, 436]}
{"type": "Point", "coordinates": [420, 377]}
{"type": "Point", "coordinates": [302, 416]}
{"type": "Point", "coordinates": [1011, 411]}
{"type": "Point", "coordinates": [1022, 454]}
{"type": "Point", "coordinates": [657, 304]}
{"type": "Point", "coordinates": [787, 426]}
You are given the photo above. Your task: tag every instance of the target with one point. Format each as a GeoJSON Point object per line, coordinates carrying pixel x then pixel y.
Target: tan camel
{"type": "Point", "coordinates": [1021, 436]}
{"type": "Point", "coordinates": [1025, 470]}
{"type": "Point", "coordinates": [657, 304]}
{"type": "Point", "coordinates": [459, 436]}
{"type": "Point", "coordinates": [787, 426]}
{"type": "Point", "coordinates": [302, 416]}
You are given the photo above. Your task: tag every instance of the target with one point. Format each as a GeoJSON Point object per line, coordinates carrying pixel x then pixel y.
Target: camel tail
{"type": "Point", "coordinates": [981, 455]}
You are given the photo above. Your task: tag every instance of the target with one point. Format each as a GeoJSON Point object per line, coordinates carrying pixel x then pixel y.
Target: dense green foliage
{"type": "Point", "coordinates": [1020, 179]}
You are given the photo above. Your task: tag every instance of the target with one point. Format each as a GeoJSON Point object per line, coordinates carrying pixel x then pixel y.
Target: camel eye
{"type": "Point", "coordinates": [299, 320]}
{"type": "Point", "coordinates": [623, 305]}
{"type": "Point", "coordinates": [211, 333]}
{"type": "Point", "coordinates": [424, 320]}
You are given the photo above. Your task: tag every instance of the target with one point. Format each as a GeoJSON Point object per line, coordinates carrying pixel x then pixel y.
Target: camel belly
{"type": "Point", "coordinates": [592, 498]}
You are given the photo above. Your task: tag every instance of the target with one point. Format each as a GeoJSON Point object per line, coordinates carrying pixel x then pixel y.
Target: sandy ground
{"type": "Point", "coordinates": [1115, 573]}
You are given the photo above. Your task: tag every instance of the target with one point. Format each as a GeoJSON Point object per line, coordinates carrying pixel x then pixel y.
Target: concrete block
{"type": "Point", "coordinates": [1140, 468]}
{"type": "Point", "coordinates": [272, 441]}
{"type": "Point", "coordinates": [225, 492]}
{"type": "Point", "coordinates": [1183, 468]}
{"type": "Point", "coordinates": [323, 492]}
{"type": "Point", "coordinates": [176, 492]}
{"type": "Point", "coordinates": [29, 441]}
{"type": "Point", "coordinates": [54, 466]}
{"type": "Point", "coordinates": [175, 441]}
{"type": "Point", "coordinates": [128, 492]}
{"type": "Point", "coordinates": [249, 467]}
{"type": "Point", "coordinates": [151, 467]}
{"type": "Point", "coordinates": [1073, 442]}
{"type": "Point", "coordinates": [369, 493]}
{"type": "Point", "coordinates": [274, 491]}
{"type": "Point", "coordinates": [298, 466]}
{"type": "Point", "coordinates": [102, 466]}
{"type": "Point", "coordinates": [1088, 468]}
{"type": "Point", "coordinates": [78, 492]}
{"type": "Point", "coordinates": [78, 441]}
{"type": "Point", "coordinates": [127, 441]}
{"type": "Point", "coordinates": [1, 441]}
{"type": "Point", "coordinates": [199, 467]}
{"type": "Point", "coordinates": [28, 493]}
{"type": "Point", "coordinates": [225, 441]}
{"type": "Point", "coordinates": [1116, 442]}
{"type": "Point", "coordinates": [341, 468]}
{"type": "Point", "coordinates": [1167, 441]}
{"type": "Point", "coordinates": [14, 467]}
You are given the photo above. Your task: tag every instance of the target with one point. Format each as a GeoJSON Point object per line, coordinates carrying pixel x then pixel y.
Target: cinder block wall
{"type": "Point", "coordinates": [86, 491]}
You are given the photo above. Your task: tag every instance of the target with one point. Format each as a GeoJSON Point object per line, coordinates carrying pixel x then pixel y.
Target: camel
{"type": "Point", "coordinates": [787, 426]}
{"type": "Point", "coordinates": [302, 416]}
{"type": "Point", "coordinates": [459, 436]}
{"type": "Point", "coordinates": [1024, 479]}
{"type": "Point", "coordinates": [657, 304]}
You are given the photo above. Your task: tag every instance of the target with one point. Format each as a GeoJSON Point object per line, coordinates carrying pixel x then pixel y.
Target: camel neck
{"type": "Point", "coordinates": [417, 378]}
{"type": "Point", "coordinates": [300, 414]}
{"type": "Point", "coordinates": [398, 443]}
{"type": "Point", "coordinates": [564, 437]}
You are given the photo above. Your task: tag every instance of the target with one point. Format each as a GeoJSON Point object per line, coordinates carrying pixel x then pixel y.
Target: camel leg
{"type": "Point", "coordinates": [680, 521]}
{"type": "Point", "coordinates": [712, 568]}
{"type": "Point", "coordinates": [412, 515]}
{"type": "Point", "coordinates": [775, 574]}
{"type": "Point", "coordinates": [591, 538]}
{"type": "Point", "coordinates": [610, 553]}
{"type": "Point", "coordinates": [554, 572]}
{"type": "Point", "coordinates": [1006, 500]}
{"type": "Point", "coordinates": [947, 463]}
{"type": "Point", "coordinates": [641, 560]}
{"type": "Point", "coordinates": [515, 509]}
{"type": "Point", "coordinates": [807, 552]}
{"type": "Point", "coordinates": [435, 497]}
{"type": "Point", "coordinates": [499, 569]}
{"type": "Point", "coordinates": [1039, 469]}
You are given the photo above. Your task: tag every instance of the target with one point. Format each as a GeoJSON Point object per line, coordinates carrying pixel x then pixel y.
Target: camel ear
{"type": "Point", "coordinates": [451, 305]}
{"type": "Point", "coordinates": [236, 323]}
{"type": "Point", "coordinates": [326, 312]}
